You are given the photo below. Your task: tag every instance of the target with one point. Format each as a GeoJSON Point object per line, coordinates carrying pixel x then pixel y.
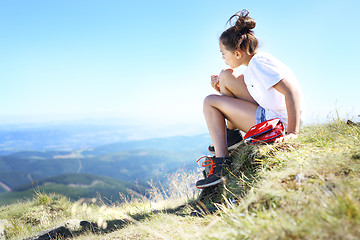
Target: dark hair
{"type": "Point", "coordinates": [240, 36]}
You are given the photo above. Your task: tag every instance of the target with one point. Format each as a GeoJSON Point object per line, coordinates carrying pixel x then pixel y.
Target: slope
{"type": "Point", "coordinates": [75, 186]}
{"type": "Point", "coordinates": [307, 188]}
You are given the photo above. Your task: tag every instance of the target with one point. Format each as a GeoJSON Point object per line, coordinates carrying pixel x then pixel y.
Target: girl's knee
{"type": "Point", "coordinates": [226, 75]}
{"type": "Point", "coordinates": [226, 79]}
{"type": "Point", "coordinates": [209, 100]}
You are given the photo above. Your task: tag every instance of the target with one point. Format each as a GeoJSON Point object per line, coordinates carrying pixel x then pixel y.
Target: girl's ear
{"type": "Point", "coordinates": [238, 54]}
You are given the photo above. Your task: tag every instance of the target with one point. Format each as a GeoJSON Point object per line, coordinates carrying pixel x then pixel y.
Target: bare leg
{"type": "Point", "coordinates": [233, 87]}
{"type": "Point", "coordinates": [216, 124]}
{"type": "Point", "coordinates": [235, 105]}
{"type": "Point", "coordinates": [229, 125]}
{"type": "Point", "coordinates": [240, 113]}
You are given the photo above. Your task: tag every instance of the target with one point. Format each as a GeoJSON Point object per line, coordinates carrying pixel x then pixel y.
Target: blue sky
{"type": "Point", "coordinates": [149, 62]}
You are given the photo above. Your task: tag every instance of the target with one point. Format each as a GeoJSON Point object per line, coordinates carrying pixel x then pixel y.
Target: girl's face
{"type": "Point", "coordinates": [232, 59]}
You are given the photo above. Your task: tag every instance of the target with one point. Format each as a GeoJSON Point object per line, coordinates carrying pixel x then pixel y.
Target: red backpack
{"type": "Point", "coordinates": [265, 132]}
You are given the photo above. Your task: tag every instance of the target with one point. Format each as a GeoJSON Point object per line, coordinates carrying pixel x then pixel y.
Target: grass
{"type": "Point", "coordinates": [307, 188]}
{"type": "Point", "coordinates": [28, 218]}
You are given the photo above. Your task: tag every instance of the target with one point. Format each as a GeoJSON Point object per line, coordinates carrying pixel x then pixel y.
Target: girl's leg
{"type": "Point", "coordinates": [233, 87]}
{"type": "Point", "coordinates": [235, 105]}
{"type": "Point", "coordinates": [241, 114]}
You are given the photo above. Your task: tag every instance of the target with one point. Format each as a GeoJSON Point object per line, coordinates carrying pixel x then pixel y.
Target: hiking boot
{"type": "Point", "coordinates": [349, 122]}
{"type": "Point", "coordinates": [215, 175]}
{"type": "Point", "coordinates": [233, 139]}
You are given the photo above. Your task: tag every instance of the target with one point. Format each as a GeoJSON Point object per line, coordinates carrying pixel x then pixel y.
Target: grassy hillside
{"type": "Point", "coordinates": [74, 186]}
{"type": "Point", "coordinates": [307, 188]}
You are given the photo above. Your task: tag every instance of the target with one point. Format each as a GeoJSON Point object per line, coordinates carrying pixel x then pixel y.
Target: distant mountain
{"type": "Point", "coordinates": [176, 144]}
{"type": "Point", "coordinates": [38, 154]}
{"type": "Point", "coordinates": [78, 135]}
{"type": "Point", "coordinates": [75, 186]}
{"type": "Point", "coordinates": [29, 155]}
{"type": "Point", "coordinates": [133, 160]}
{"type": "Point", "coordinates": [56, 137]}
{"type": "Point", "coordinates": [127, 165]}
{"type": "Point", "coordinates": [9, 180]}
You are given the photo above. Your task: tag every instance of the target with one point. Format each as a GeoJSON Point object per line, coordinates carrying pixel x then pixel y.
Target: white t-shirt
{"type": "Point", "coordinates": [262, 73]}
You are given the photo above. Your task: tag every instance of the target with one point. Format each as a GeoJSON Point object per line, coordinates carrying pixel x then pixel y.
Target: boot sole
{"type": "Point", "coordinates": [212, 183]}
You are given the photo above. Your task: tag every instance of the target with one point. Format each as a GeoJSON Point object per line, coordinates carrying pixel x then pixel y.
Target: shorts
{"type": "Point", "coordinates": [260, 115]}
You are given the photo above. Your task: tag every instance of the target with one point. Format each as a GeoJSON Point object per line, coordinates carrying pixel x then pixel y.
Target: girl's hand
{"type": "Point", "coordinates": [288, 136]}
{"type": "Point", "coordinates": [215, 82]}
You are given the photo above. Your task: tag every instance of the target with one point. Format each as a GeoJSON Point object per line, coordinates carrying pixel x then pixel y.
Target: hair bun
{"type": "Point", "coordinates": [243, 23]}
{"type": "Point", "coordinates": [240, 36]}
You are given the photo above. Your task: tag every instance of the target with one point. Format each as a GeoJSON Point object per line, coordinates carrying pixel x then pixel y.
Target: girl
{"type": "Point", "coordinates": [267, 89]}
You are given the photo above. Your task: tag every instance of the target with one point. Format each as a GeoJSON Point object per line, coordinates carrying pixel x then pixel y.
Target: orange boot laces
{"type": "Point", "coordinates": [209, 161]}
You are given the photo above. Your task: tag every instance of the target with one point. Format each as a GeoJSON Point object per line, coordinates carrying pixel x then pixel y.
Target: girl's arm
{"type": "Point", "coordinates": [292, 100]}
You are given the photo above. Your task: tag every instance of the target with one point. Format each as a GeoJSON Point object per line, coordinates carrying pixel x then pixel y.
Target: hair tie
{"type": "Point", "coordinates": [243, 13]}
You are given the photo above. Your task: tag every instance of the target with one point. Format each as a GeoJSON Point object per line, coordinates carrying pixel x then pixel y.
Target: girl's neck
{"type": "Point", "coordinates": [247, 58]}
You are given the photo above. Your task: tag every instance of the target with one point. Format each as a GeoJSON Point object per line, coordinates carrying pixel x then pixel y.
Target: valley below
{"type": "Point", "coordinates": [67, 159]}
